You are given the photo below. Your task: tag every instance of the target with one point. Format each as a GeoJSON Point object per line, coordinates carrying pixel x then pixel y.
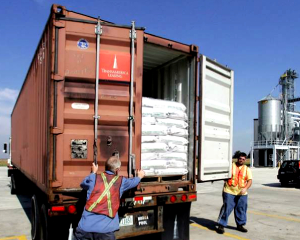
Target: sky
{"type": "Point", "coordinates": [258, 39]}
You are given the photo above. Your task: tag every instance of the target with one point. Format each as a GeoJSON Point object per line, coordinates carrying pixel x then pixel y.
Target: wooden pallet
{"type": "Point", "coordinates": [164, 178]}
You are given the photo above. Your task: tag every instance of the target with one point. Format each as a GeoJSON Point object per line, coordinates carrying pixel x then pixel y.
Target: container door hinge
{"type": "Point", "coordinates": [57, 77]}
{"type": "Point", "coordinates": [56, 131]}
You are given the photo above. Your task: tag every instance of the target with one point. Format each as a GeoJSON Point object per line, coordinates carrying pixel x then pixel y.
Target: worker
{"type": "Point", "coordinates": [100, 217]}
{"type": "Point", "coordinates": [235, 195]}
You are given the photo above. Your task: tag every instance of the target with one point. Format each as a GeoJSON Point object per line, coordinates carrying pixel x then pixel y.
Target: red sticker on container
{"type": "Point", "coordinates": [114, 66]}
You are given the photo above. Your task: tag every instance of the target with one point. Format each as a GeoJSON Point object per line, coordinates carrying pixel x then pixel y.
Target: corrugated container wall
{"type": "Point", "coordinates": [30, 116]}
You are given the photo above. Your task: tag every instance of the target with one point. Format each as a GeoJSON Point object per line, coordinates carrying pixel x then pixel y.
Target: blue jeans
{"type": "Point", "coordinates": [82, 235]}
{"type": "Point", "coordinates": [239, 204]}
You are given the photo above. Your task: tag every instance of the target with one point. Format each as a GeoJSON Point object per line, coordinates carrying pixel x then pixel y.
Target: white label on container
{"type": "Point", "coordinates": [83, 106]}
{"type": "Point", "coordinates": [127, 221]}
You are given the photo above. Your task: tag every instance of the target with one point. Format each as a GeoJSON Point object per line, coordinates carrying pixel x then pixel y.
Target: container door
{"type": "Point", "coordinates": [215, 121]}
{"type": "Point", "coordinates": [76, 98]}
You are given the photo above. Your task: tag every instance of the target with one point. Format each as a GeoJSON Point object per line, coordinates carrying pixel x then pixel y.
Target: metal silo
{"type": "Point", "coordinates": [269, 118]}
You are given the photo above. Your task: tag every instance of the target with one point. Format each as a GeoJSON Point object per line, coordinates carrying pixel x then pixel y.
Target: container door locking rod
{"type": "Point", "coordinates": [131, 157]}
{"type": "Point", "coordinates": [98, 32]}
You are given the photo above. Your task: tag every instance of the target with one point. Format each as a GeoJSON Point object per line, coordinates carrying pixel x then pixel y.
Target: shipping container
{"type": "Point", "coordinates": [58, 130]}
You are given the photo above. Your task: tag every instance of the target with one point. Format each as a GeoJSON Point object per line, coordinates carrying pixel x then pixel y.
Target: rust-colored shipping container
{"type": "Point", "coordinates": [81, 60]}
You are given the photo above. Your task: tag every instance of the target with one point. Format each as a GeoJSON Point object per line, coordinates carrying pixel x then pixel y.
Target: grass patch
{"type": "Point", "coordinates": [3, 162]}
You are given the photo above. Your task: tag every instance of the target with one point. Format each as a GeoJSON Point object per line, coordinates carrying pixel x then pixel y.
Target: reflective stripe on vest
{"type": "Point", "coordinates": [238, 176]}
{"type": "Point", "coordinates": [105, 192]}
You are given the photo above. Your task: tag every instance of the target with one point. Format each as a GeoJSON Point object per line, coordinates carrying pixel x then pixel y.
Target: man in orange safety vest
{"type": "Point", "coordinates": [100, 217]}
{"type": "Point", "coordinates": [235, 195]}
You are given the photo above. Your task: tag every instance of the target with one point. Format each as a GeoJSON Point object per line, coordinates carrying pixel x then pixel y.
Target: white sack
{"type": "Point", "coordinates": [149, 156]}
{"type": "Point", "coordinates": [154, 164]}
{"type": "Point", "coordinates": [163, 113]}
{"type": "Point", "coordinates": [171, 171]}
{"type": "Point", "coordinates": [176, 114]}
{"type": "Point", "coordinates": [178, 132]}
{"type": "Point", "coordinates": [173, 156]}
{"type": "Point", "coordinates": [154, 112]}
{"type": "Point", "coordinates": [149, 139]}
{"type": "Point", "coordinates": [151, 102]}
{"type": "Point", "coordinates": [165, 139]}
{"type": "Point", "coordinates": [149, 172]}
{"type": "Point", "coordinates": [173, 139]}
{"type": "Point", "coordinates": [154, 147]}
{"type": "Point", "coordinates": [171, 122]}
{"type": "Point", "coordinates": [148, 120]}
{"type": "Point", "coordinates": [177, 148]}
{"type": "Point", "coordinates": [176, 164]}
{"type": "Point", "coordinates": [154, 130]}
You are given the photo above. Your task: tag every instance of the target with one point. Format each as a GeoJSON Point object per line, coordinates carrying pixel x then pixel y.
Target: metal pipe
{"type": "Point", "coordinates": [56, 51]}
{"type": "Point", "coordinates": [55, 105]}
{"type": "Point", "coordinates": [131, 117]}
{"type": "Point", "coordinates": [54, 158]}
{"type": "Point", "coordinates": [293, 113]}
{"type": "Point", "coordinates": [98, 32]}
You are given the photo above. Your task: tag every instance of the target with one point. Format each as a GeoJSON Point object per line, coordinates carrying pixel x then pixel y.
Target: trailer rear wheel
{"type": "Point", "coordinates": [35, 218]}
{"type": "Point", "coordinates": [13, 189]}
{"type": "Point", "coordinates": [180, 212]}
{"type": "Point", "coordinates": [183, 220]}
{"type": "Point", "coordinates": [44, 226]}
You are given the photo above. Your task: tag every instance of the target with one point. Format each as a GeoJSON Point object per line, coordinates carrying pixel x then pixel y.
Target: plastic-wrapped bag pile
{"type": "Point", "coordinates": [164, 137]}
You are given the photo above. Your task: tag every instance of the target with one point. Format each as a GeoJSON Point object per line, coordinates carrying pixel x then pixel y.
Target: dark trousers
{"type": "Point", "coordinates": [239, 204]}
{"type": "Point", "coordinates": [82, 235]}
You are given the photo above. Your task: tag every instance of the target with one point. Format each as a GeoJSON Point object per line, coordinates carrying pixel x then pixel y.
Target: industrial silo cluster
{"type": "Point", "coordinates": [276, 131]}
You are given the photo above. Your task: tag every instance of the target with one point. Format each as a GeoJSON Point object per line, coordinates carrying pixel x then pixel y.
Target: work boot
{"type": "Point", "coordinates": [220, 229]}
{"type": "Point", "coordinates": [241, 228]}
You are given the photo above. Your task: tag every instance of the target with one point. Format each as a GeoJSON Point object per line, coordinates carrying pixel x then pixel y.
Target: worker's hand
{"type": "Point", "coordinates": [140, 173]}
{"type": "Point", "coordinates": [243, 191]}
{"type": "Point", "coordinates": [94, 168]}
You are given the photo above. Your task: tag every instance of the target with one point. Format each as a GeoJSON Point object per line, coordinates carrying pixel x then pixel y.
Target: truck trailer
{"type": "Point", "coordinates": [82, 102]}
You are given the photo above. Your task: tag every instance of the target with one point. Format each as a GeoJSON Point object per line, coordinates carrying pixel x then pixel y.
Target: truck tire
{"type": "Point", "coordinates": [13, 188]}
{"type": "Point", "coordinates": [180, 212]}
{"type": "Point", "coordinates": [35, 218]}
{"type": "Point", "coordinates": [44, 226]}
{"type": "Point", "coordinates": [183, 221]}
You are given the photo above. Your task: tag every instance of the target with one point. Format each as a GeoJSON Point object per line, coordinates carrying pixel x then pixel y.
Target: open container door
{"type": "Point", "coordinates": [215, 121]}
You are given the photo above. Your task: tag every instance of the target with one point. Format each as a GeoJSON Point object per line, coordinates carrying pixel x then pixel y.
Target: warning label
{"type": "Point", "coordinates": [114, 66]}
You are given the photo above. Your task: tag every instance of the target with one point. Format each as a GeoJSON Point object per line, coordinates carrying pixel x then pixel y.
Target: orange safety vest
{"type": "Point", "coordinates": [105, 197]}
{"type": "Point", "coordinates": [239, 177]}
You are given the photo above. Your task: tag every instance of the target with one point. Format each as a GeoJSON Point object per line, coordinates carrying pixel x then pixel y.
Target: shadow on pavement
{"type": "Point", "coordinates": [278, 185]}
{"type": "Point", "coordinates": [25, 201]}
{"type": "Point", "coordinates": [211, 225]}
{"type": "Point", "coordinates": [26, 204]}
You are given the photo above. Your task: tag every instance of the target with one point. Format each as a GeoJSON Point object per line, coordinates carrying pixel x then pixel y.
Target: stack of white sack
{"type": "Point", "coordinates": [164, 138]}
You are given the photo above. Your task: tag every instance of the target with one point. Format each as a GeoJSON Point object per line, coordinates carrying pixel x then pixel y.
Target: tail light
{"type": "Point", "coordinates": [57, 208]}
{"type": "Point", "coordinates": [193, 196]}
{"type": "Point", "coordinates": [71, 209]}
{"type": "Point", "coordinates": [183, 197]}
{"type": "Point", "coordinates": [173, 199]}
